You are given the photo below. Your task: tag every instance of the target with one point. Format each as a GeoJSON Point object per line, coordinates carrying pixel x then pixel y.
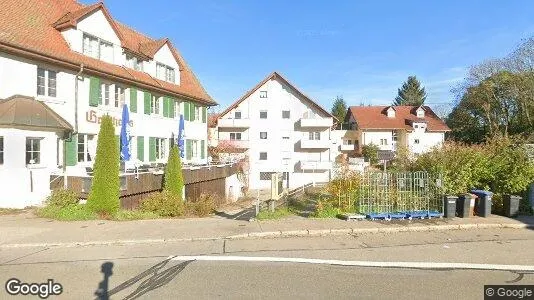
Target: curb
{"type": "Point", "coordinates": [278, 234]}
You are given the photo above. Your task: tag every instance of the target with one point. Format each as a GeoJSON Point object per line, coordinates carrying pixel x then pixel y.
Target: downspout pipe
{"type": "Point", "coordinates": [65, 178]}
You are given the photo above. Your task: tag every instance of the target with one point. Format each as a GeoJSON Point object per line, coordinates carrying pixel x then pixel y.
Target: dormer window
{"type": "Point", "coordinates": [391, 112]}
{"type": "Point", "coordinates": [133, 62]}
{"type": "Point", "coordinates": [420, 112]}
{"type": "Point", "coordinates": [97, 48]}
{"type": "Point", "coordinates": [164, 72]}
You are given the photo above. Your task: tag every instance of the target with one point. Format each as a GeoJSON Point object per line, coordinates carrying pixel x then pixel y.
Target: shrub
{"type": "Point", "coordinates": [203, 206]}
{"type": "Point", "coordinates": [128, 215]}
{"type": "Point", "coordinates": [326, 209]}
{"type": "Point", "coordinates": [370, 152]}
{"type": "Point", "coordinates": [77, 212]}
{"type": "Point", "coordinates": [278, 213]}
{"type": "Point", "coordinates": [104, 196]}
{"type": "Point", "coordinates": [173, 179]}
{"type": "Point", "coordinates": [163, 204]}
{"type": "Point", "coordinates": [62, 198]}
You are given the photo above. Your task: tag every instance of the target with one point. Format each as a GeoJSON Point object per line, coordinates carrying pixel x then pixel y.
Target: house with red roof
{"type": "Point", "coordinates": [64, 65]}
{"type": "Point", "coordinates": [417, 128]}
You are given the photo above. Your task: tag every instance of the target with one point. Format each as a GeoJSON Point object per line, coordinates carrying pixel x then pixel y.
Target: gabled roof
{"type": "Point", "coordinates": [28, 29]}
{"type": "Point", "coordinates": [273, 76]}
{"type": "Point", "coordinates": [24, 111]}
{"type": "Point", "coordinates": [373, 117]}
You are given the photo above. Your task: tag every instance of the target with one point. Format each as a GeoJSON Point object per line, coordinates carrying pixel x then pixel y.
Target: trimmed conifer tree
{"type": "Point", "coordinates": [411, 93]}
{"type": "Point", "coordinates": [105, 190]}
{"type": "Point", "coordinates": [173, 180]}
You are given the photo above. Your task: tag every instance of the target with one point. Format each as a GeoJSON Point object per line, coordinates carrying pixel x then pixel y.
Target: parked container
{"type": "Point", "coordinates": [463, 206]}
{"type": "Point", "coordinates": [449, 208]}
{"type": "Point", "coordinates": [483, 205]}
{"type": "Point", "coordinates": [511, 205]}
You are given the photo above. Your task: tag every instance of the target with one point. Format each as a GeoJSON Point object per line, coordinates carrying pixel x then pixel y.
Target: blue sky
{"type": "Point", "coordinates": [362, 50]}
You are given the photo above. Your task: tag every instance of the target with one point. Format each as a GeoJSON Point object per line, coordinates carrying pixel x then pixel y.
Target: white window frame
{"type": "Point", "coordinates": [161, 148]}
{"type": "Point", "coordinates": [236, 114]}
{"type": "Point", "coordinates": [394, 136]}
{"type": "Point", "coordinates": [119, 97]}
{"type": "Point", "coordinates": [105, 93]}
{"type": "Point", "coordinates": [383, 142]}
{"type": "Point", "coordinates": [416, 141]}
{"type": "Point", "coordinates": [263, 94]}
{"type": "Point", "coordinates": [194, 148]}
{"type": "Point", "coordinates": [235, 136]}
{"type": "Point", "coordinates": [50, 84]}
{"type": "Point", "coordinates": [165, 72]}
{"type": "Point", "coordinates": [86, 157]}
{"type": "Point", "coordinates": [33, 153]}
{"type": "Point", "coordinates": [177, 110]}
{"type": "Point", "coordinates": [197, 113]}
{"type": "Point", "coordinates": [133, 62]}
{"type": "Point", "coordinates": [314, 135]}
{"type": "Point", "coordinates": [99, 42]}
{"type": "Point", "coordinates": [155, 105]}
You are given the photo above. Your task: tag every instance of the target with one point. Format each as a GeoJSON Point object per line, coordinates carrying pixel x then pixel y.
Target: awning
{"type": "Point", "coordinates": [25, 112]}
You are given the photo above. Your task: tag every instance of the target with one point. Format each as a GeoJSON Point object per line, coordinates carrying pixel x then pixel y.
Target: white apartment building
{"type": "Point", "coordinates": [280, 130]}
{"type": "Point", "coordinates": [63, 66]}
{"type": "Point", "coordinates": [389, 127]}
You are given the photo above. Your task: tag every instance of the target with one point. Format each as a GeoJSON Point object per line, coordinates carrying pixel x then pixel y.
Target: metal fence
{"type": "Point", "coordinates": [400, 195]}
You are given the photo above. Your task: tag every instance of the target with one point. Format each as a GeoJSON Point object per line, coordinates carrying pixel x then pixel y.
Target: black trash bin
{"type": "Point", "coordinates": [511, 205]}
{"type": "Point", "coordinates": [449, 206]}
{"type": "Point", "coordinates": [463, 206]}
{"type": "Point", "coordinates": [483, 205]}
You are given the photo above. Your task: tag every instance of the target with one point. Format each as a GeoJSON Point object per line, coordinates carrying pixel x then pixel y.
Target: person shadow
{"type": "Point", "coordinates": [103, 287]}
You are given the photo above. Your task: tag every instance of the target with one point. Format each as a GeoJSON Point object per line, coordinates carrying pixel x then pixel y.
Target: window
{"type": "Point", "coordinates": [383, 142]}
{"type": "Point", "coordinates": [154, 105]}
{"type": "Point", "coordinates": [197, 113]}
{"type": "Point", "coordinates": [176, 109]}
{"type": "Point", "coordinates": [285, 114]}
{"type": "Point", "coordinates": [395, 136]}
{"type": "Point", "coordinates": [263, 155]}
{"type": "Point", "coordinates": [347, 142]}
{"type": "Point", "coordinates": [263, 114]}
{"type": "Point", "coordinates": [105, 88]}
{"type": "Point", "coordinates": [119, 96]}
{"type": "Point", "coordinates": [33, 153]}
{"type": "Point", "coordinates": [237, 115]}
{"type": "Point", "coordinates": [46, 82]}
{"type": "Point", "coordinates": [160, 148]}
{"type": "Point", "coordinates": [316, 135]}
{"type": "Point", "coordinates": [194, 148]}
{"type": "Point", "coordinates": [97, 48]}
{"type": "Point", "coordinates": [263, 94]}
{"type": "Point", "coordinates": [415, 126]}
{"type": "Point", "coordinates": [266, 175]}
{"type": "Point", "coordinates": [84, 141]}
{"type": "Point", "coordinates": [133, 62]}
{"type": "Point", "coordinates": [235, 135]}
{"type": "Point", "coordinates": [164, 72]}
{"type": "Point", "coordinates": [1, 150]}
{"type": "Point", "coordinates": [416, 141]}
{"type": "Point", "coordinates": [285, 138]}
{"type": "Point", "coordinates": [263, 135]}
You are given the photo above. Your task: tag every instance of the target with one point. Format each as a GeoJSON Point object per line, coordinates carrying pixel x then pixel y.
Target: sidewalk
{"type": "Point", "coordinates": [26, 230]}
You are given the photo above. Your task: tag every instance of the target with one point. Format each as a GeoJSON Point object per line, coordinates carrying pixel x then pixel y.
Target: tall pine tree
{"type": "Point", "coordinates": [411, 93]}
{"type": "Point", "coordinates": [339, 109]}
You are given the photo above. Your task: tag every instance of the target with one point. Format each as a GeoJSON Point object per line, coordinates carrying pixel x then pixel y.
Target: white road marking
{"type": "Point", "coordinates": [379, 264]}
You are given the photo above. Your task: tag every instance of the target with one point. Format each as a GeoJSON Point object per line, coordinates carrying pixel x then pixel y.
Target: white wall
{"type": "Point", "coordinates": [374, 137]}
{"type": "Point", "coordinates": [164, 56]}
{"type": "Point", "coordinates": [427, 140]}
{"type": "Point", "coordinates": [233, 188]}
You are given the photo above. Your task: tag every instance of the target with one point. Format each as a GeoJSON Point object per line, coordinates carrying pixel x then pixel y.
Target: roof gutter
{"type": "Point", "coordinates": [14, 49]}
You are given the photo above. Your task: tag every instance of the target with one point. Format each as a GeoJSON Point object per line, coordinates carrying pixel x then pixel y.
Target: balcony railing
{"type": "Point", "coordinates": [234, 123]}
{"type": "Point", "coordinates": [240, 144]}
{"type": "Point", "coordinates": [316, 122]}
{"type": "Point", "coordinates": [315, 144]}
{"type": "Point", "coordinates": [347, 147]}
{"type": "Point", "coordinates": [315, 165]}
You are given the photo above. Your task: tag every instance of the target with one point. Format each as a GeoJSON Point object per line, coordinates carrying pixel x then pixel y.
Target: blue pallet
{"type": "Point", "coordinates": [397, 215]}
{"type": "Point", "coordinates": [417, 214]}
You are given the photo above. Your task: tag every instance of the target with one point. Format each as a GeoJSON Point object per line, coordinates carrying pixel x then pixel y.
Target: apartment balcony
{"type": "Point", "coordinates": [316, 122]}
{"type": "Point", "coordinates": [315, 165]}
{"type": "Point", "coordinates": [234, 123]}
{"type": "Point", "coordinates": [239, 144]}
{"type": "Point", "coordinates": [315, 144]}
{"type": "Point", "coordinates": [343, 147]}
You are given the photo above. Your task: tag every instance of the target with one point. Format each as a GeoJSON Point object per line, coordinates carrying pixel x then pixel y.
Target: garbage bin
{"type": "Point", "coordinates": [511, 205]}
{"type": "Point", "coordinates": [463, 205]}
{"type": "Point", "coordinates": [449, 206]}
{"type": "Point", "coordinates": [483, 205]}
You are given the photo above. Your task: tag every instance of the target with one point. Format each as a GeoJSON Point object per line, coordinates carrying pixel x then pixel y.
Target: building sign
{"type": "Point", "coordinates": [91, 117]}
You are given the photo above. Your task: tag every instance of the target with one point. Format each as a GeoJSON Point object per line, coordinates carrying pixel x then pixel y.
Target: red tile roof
{"type": "Point", "coordinates": [375, 117]}
{"type": "Point", "coordinates": [28, 29]}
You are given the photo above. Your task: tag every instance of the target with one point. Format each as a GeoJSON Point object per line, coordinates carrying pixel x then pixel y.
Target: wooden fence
{"type": "Point", "coordinates": [135, 187]}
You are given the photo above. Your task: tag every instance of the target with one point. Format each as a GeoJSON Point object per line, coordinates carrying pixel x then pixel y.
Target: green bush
{"type": "Point", "coordinates": [173, 179]}
{"type": "Point", "coordinates": [77, 212]}
{"type": "Point", "coordinates": [278, 213]}
{"type": "Point", "coordinates": [370, 152]}
{"type": "Point", "coordinates": [163, 204]}
{"type": "Point", "coordinates": [62, 198]}
{"type": "Point", "coordinates": [129, 215]}
{"type": "Point", "coordinates": [105, 190]}
{"type": "Point", "coordinates": [202, 207]}
{"type": "Point", "coordinates": [326, 209]}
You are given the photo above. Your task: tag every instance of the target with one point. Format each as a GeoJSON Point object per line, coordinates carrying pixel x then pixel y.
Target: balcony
{"type": "Point", "coordinates": [315, 165]}
{"type": "Point", "coordinates": [239, 144]}
{"type": "Point", "coordinates": [343, 147]}
{"type": "Point", "coordinates": [316, 122]}
{"type": "Point", "coordinates": [234, 123]}
{"type": "Point", "coordinates": [315, 144]}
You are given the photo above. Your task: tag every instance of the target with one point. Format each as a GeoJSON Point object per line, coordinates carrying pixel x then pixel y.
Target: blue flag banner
{"type": "Point", "coordinates": [180, 138]}
{"type": "Point", "coordinates": [125, 134]}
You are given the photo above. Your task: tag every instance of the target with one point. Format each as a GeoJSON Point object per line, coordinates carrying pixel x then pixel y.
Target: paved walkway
{"type": "Point", "coordinates": [24, 230]}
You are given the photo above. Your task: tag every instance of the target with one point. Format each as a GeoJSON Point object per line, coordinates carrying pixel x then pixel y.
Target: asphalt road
{"type": "Point", "coordinates": [150, 272]}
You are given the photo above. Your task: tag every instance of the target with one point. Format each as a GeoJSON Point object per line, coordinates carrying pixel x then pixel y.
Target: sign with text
{"type": "Point", "coordinates": [96, 118]}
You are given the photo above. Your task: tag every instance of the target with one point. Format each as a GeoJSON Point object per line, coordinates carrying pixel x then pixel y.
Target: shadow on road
{"type": "Point", "coordinates": [244, 215]}
{"type": "Point", "coordinates": [149, 280]}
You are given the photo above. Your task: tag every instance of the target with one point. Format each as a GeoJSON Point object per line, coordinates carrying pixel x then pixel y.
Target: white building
{"type": "Point", "coordinates": [280, 130]}
{"type": "Point", "coordinates": [79, 64]}
{"type": "Point", "coordinates": [418, 129]}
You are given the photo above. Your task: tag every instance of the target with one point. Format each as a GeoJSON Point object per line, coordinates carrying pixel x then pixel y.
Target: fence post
{"type": "Point", "coordinates": [257, 206]}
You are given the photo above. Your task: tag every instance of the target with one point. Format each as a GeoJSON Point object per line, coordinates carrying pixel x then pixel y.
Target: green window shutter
{"type": "Point", "coordinates": [171, 107]}
{"type": "Point", "coordinates": [141, 148]}
{"type": "Point", "coordinates": [186, 111]}
{"type": "Point", "coordinates": [133, 99]}
{"type": "Point", "coordinates": [71, 155]}
{"type": "Point", "coordinates": [188, 149]}
{"type": "Point", "coordinates": [94, 91]}
{"type": "Point", "coordinates": [151, 149]}
{"type": "Point", "coordinates": [192, 111]}
{"type": "Point", "coordinates": [165, 107]}
{"type": "Point", "coordinates": [202, 150]}
{"type": "Point", "coordinates": [147, 103]}
{"type": "Point", "coordinates": [204, 114]}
